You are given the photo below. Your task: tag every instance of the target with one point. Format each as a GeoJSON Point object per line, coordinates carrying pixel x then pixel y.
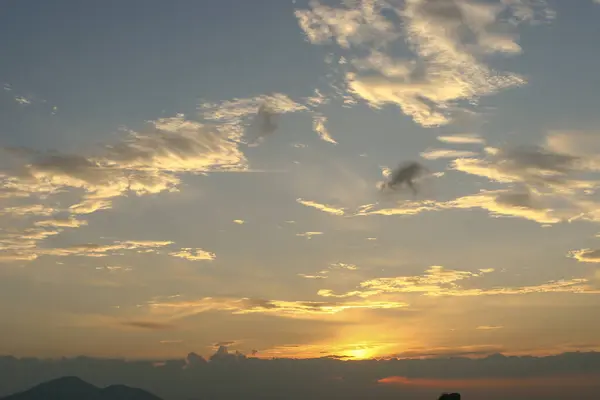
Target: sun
{"type": "Point", "coordinates": [360, 354]}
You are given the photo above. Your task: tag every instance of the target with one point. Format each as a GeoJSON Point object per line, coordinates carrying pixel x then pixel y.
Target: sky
{"type": "Point", "coordinates": [149, 211]}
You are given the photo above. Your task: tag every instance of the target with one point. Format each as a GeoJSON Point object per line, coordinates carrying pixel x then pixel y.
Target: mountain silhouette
{"type": "Point", "coordinates": [450, 396]}
{"type": "Point", "coordinates": [73, 388]}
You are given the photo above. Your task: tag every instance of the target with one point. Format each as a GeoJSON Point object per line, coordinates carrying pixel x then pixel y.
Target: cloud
{"type": "Point", "coordinates": [254, 118]}
{"type": "Point", "coordinates": [403, 208]}
{"type": "Point", "coordinates": [583, 145]}
{"type": "Point", "coordinates": [432, 282]}
{"type": "Point", "coordinates": [309, 235]}
{"type": "Point", "coordinates": [10, 256]}
{"type": "Point", "coordinates": [234, 111]}
{"type": "Point", "coordinates": [226, 343]}
{"type": "Point", "coordinates": [149, 161]}
{"type": "Point", "coordinates": [349, 267]}
{"type": "Point", "coordinates": [438, 281]}
{"type": "Point", "coordinates": [444, 352]}
{"type": "Point", "coordinates": [116, 268]}
{"type": "Point", "coordinates": [178, 145]}
{"type": "Point", "coordinates": [251, 117]}
{"type": "Point", "coordinates": [149, 325]}
{"type": "Point", "coordinates": [145, 162]}
{"type": "Point", "coordinates": [308, 276]}
{"type": "Point", "coordinates": [345, 26]}
{"type": "Point", "coordinates": [322, 207]}
{"type": "Point", "coordinates": [508, 203]}
{"type": "Point", "coordinates": [194, 254]}
{"type": "Point", "coordinates": [434, 154]}
{"type": "Point", "coordinates": [449, 39]}
{"type": "Point", "coordinates": [102, 250]}
{"type": "Point", "coordinates": [32, 209]}
{"type": "Point", "coordinates": [514, 203]}
{"type": "Point", "coordinates": [551, 183]}
{"type": "Point", "coordinates": [281, 308]}
{"type": "Point", "coordinates": [528, 384]}
{"type": "Point", "coordinates": [62, 223]}
{"type": "Point", "coordinates": [23, 244]}
{"type": "Point", "coordinates": [321, 130]}
{"type": "Point", "coordinates": [90, 206]}
{"type": "Point", "coordinates": [23, 100]}
{"type": "Point", "coordinates": [586, 255]}
{"type": "Point", "coordinates": [488, 328]}
{"type": "Point", "coordinates": [462, 139]}
{"type": "Point", "coordinates": [239, 221]}
{"type": "Point", "coordinates": [534, 166]}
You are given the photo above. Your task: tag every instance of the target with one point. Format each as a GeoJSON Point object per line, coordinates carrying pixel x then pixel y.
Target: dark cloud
{"type": "Point", "coordinates": [151, 325]}
{"type": "Point", "coordinates": [225, 343]}
{"type": "Point", "coordinates": [194, 359]}
{"type": "Point", "coordinates": [533, 166]}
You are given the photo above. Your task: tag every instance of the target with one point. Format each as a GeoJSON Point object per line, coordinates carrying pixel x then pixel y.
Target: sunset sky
{"type": "Point", "coordinates": [142, 218]}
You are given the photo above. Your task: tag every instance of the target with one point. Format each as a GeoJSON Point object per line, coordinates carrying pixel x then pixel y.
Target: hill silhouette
{"type": "Point", "coordinates": [73, 388]}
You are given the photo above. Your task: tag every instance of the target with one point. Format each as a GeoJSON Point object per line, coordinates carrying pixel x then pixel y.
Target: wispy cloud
{"type": "Point", "coordinates": [403, 208]}
{"type": "Point", "coordinates": [281, 308]}
{"type": "Point", "coordinates": [25, 246]}
{"type": "Point", "coordinates": [586, 255]}
{"type": "Point", "coordinates": [251, 118]}
{"type": "Point", "coordinates": [434, 154]}
{"type": "Point", "coordinates": [62, 223]}
{"type": "Point", "coordinates": [322, 207]}
{"type": "Point", "coordinates": [551, 182]}
{"type": "Point", "coordinates": [309, 235]}
{"type": "Point", "coordinates": [32, 209]}
{"type": "Point", "coordinates": [148, 161]}
{"type": "Point", "coordinates": [144, 162]}
{"type": "Point", "coordinates": [103, 250]}
{"type": "Point", "coordinates": [439, 281]}
{"type": "Point", "coordinates": [309, 276]}
{"type": "Point", "coordinates": [340, 265]}
{"type": "Point", "coordinates": [24, 101]}
{"type": "Point", "coordinates": [319, 127]}
{"type": "Point", "coordinates": [447, 67]}
{"type": "Point", "coordinates": [194, 254]}
{"type": "Point", "coordinates": [149, 325]}
{"type": "Point", "coordinates": [508, 203]}
{"type": "Point", "coordinates": [489, 328]}
{"type": "Point", "coordinates": [462, 139]}
{"type": "Point", "coordinates": [237, 110]}
{"type": "Point", "coordinates": [533, 166]}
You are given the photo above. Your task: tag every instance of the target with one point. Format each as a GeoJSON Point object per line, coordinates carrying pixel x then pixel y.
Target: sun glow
{"type": "Point", "coordinates": [360, 353]}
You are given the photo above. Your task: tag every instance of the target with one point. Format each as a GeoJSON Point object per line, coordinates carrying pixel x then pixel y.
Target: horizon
{"type": "Point", "coordinates": [299, 179]}
{"type": "Point", "coordinates": [207, 357]}
{"type": "Point", "coordinates": [494, 377]}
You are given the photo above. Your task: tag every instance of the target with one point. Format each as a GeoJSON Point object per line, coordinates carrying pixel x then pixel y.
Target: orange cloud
{"type": "Point", "coordinates": [577, 381]}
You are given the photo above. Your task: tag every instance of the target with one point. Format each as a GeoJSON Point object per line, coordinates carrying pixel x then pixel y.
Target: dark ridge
{"type": "Point", "coordinates": [74, 388]}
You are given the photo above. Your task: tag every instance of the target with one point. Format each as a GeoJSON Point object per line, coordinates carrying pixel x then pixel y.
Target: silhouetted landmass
{"type": "Point", "coordinates": [233, 376]}
{"type": "Point", "coordinates": [450, 396]}
{"type": "Point", "coordinates": [73, 388]}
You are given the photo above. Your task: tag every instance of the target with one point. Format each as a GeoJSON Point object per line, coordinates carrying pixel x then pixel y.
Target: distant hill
{"type": "Point", "coordinates": [73, 388]}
